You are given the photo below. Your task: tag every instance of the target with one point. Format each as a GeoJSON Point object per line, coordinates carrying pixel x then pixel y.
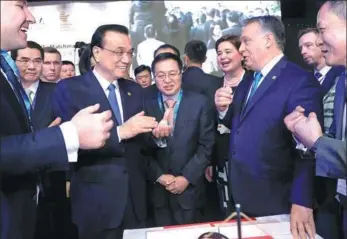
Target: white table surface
{"type": "Point", "coordinates": [277, 226]}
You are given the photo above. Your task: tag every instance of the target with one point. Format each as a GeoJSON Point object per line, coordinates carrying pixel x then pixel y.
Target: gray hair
{"type": "Point", "coordinates": [270, 24]}
{"type": "Point", "coordinates": [338, 8]}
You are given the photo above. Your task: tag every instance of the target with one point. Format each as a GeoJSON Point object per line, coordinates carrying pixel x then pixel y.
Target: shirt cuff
{"type": "Point", "coordinates": [222, 114]}
{"type": "Point", "coordinates": [299, 145]}
{"type": "Point", "coordinates": [71, 139]}
{"type": "Point", "coordinates": [119, 139]}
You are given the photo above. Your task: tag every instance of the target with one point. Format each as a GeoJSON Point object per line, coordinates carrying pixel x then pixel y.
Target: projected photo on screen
{"type": "Point", "coordinates": [154, 23]}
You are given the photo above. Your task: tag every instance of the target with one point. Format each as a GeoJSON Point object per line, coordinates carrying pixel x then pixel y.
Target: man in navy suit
{"type": "Point", "coordinates": [266, 173]}
{"type": "Point", "coordinates": [194, 78]}
{"type": "Point", "coordinates": [108, 186]}
{"type": "Point", "coordinates": [188, 129]}
{"type": "Point", "coordinates": [23, 150]}
{"type": "Point", "coordinates": [329, 149]}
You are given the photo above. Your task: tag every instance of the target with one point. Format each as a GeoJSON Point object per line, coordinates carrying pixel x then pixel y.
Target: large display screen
{"type": "Point", "coordinates": [61, 23]}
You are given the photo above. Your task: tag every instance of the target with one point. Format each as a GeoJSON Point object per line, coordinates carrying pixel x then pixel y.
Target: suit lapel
{"type": "Point", "coordinates": [183, 110]}
{"type": "Point", "coordinates": [263, 87]}
{"type": "Point", "coordinates": [39, 102]}
{"type": "Point", "coordinates": [11, 97]}
{"type": "Point", "coordinates": [96, 93]}
{"type": "Point", "coordinates": [154, 108]}
{"type": "Point", "coordinates": [125, 95]}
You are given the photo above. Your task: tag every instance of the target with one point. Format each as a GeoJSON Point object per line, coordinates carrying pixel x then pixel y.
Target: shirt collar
{"type": "Point", "coordinates": [103, 82]}
{"type": "Point", "coordinates": [324, 70]}
{"type": "Point", "coordinates": [33, 88]}
{"type": "Point", "coordinates": [268, 67]}
{"type": "Point", "coordinates": [171, 97]}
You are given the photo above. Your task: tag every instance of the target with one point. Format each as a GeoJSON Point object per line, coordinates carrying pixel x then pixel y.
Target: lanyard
{"type": "Point", "coordinates": [161, 104]}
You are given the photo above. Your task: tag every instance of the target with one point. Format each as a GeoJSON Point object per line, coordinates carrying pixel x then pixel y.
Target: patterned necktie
{"type": "Point", "coordinates": [255, 85]}
{"type": "Point", "coordinates": [23, 98]}
{"type": "Point", "coordinates": [170, 104]}
{"type": "Point", "coordinates": [31, 96]}
{"type": "Point", "coordinates": [318, 75]}
{"type": "Point", "coordinates": [114, 103]}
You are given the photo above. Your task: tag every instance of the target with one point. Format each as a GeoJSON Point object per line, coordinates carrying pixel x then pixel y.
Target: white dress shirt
{"type": "Point", "coordinates": [324, 71]}
{"type": "Point", "coordinates": [266, 69]}
{"type": "Point", "coordinates": [104, 85]}
{"type": "Point", "coordinates": [32, 89]}
{"type": "Point", "coordinates": [70, 136]}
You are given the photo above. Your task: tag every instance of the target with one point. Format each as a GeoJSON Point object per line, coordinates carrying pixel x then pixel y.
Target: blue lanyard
{"type": "Point", "coordinates": [161, 104]}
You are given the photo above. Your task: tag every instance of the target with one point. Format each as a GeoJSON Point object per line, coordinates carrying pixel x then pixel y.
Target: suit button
{"type": "Point", "coordinates": [125, 172]}
{"type": "Point", "coordinates": [233, 153]}
{"type": "Point", "coordinates": [237, 132]}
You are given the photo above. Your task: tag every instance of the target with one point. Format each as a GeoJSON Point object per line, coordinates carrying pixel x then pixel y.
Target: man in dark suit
{"type": "Point", "coordinates": [51, 185]}
{"type": "Point", "coordinates": [186, 132]}
{"type": "Point", "coordinates": [22, 149]}
{"type": "Point", "coordinates": [194, 78]}
{"type": "Point", "coordinates": [267, 175]}
{"type": "Point", "coordinates": [329, 149]}
{"type": "Point", "coordinates": [108, 187]}
{"type": "Point", "coordinates": [327, 211]}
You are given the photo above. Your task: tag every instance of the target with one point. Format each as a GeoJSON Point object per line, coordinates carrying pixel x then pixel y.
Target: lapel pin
{"type": "Point", "coordinates": [129, 94]}
{"type": "Point", "coordinates": [274, 78]}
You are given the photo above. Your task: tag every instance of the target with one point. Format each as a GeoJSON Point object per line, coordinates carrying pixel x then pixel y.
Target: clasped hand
{"type": "Point", "coordinates": [306, 129]}
{"type": "Point", "coordinates": [223, 98]}
{"type": "Point", "coordinates": [175, 185]}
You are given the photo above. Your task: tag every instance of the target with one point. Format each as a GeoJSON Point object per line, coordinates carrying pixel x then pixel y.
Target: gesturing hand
{"type": "Point", "coordinates": [93, 128]}
{"type": "Point", "coordinates": [163, 129]}
{"type": "Point", "coordinates": [137, 124]}
{"type": "Point", "coordinates": [223, 98]}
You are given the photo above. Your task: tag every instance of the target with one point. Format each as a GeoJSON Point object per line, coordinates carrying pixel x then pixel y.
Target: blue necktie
{"type": "Point", "coordinates": [5, 61]}
{"type": "Point", "coordinates": [318, 75]}
{"type": "Point", "coordinates": [114, 103]}
{"type": "Point", "coordinates": [256, 81]}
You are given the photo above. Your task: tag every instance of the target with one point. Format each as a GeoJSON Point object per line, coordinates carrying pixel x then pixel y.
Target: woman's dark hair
{"type": "Point", "coordinates": [233, 39]}
{"type": "Point", "coordinates": [84, 64]}
{"type": "Point", "coordinates": [213, 235]}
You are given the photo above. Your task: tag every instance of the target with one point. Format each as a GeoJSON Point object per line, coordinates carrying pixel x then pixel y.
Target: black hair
{"type": "Point", "coordinates": [196, 51]}
{"type": "Point", "coordinates": [167, 56]}
{"type": "Point", "coordinates": [164, 46]}
{"type": "Point", "coordinates": [31, 45]}
{"type": "Point", "coordinates": [142, 68]}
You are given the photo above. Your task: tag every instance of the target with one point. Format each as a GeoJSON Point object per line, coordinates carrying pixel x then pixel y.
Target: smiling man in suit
{"type": "Point", "coordinates": [25, 151]}
{"type": "Point", "coordinates": [108, 186]}
{"type": "Point", "coordinates": [185, 135]}
{"type": "Point", "coordinates": [267, 175]}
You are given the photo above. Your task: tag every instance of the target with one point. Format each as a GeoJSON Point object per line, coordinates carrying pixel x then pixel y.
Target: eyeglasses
{"type": "Point", "coordinates": [120, 53]}
{"type": "Point", "coordinates": [162, 76]}
{"type": "Point", "coordinates": [25, 62]}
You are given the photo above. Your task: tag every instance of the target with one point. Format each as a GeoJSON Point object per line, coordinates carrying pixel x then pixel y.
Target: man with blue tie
{"type": "Point", "coordinates": [23, 150]}
{"type": "Point", "coordinates": [329, 149]}
{"type": "Point", "coordinates": [108, 185]}
{"type": "Point", "coordinates": [267, 175]}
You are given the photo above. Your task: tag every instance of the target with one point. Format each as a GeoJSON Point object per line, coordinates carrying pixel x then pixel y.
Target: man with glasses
{"type": "Point", "coordinates": [51, 65]}
{"type": "Point", "coordinates": [184, 139]}
{"type": "Point", "coordinates": [51, 196]}
{"type": "Point", "coordinates": [108, 190]}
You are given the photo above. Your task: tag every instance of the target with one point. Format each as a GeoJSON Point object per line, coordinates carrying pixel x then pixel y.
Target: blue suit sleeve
{"type": "Point", "coordinates": [306, 93]}
{"type": "Point", "coordinates": [30, 152]}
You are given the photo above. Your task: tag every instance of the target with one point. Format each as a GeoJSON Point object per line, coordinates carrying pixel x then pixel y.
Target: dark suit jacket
{"type": "Point", "coordinates": [266, 173]}
{"type": "Point", "coordinates": [112, 172]}
{"type": "Point", "coordinates": [53, 181]}
{"type": "Point", "coordinates": [330, 78]}
{"type": "Point", "coordinates": [188, 152]}
{"type": "Point", "coordinates": [22, 155]}
{"type": "Point", "coordinates": [195, 79]}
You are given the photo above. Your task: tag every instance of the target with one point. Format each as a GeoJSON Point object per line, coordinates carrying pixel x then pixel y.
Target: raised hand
{"type": "Point", "coordinates": [93, 128]}
{"type": "Point", "coordinates": [138, 124]}
{"type": "Point", "coordinates": [223, 98]}
{"type": "Point", "coordinates": [163, 129]}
